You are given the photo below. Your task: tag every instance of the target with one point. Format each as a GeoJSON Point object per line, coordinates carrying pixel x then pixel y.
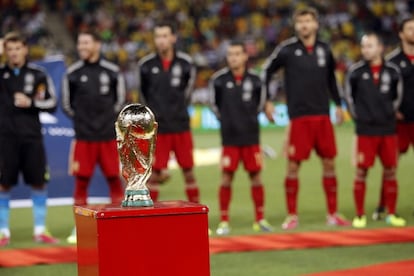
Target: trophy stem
{"type": "Point", "coordinates": [134, 198]}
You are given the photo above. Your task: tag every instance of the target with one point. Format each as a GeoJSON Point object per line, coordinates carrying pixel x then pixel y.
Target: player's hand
{"type": "Point", "coordinates": [399, 116]}
{"type": "Point", "coordinates": [269, 110]}
{"type": "Point", "coordinates": [339, 115]}
{"type": "Point", "coordinates": [21, 100]}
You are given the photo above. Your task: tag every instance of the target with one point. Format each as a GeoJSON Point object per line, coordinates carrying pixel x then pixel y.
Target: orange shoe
{"type": "Point", "coordinates": [46, 238]}
{"type": "Point", "coordinates": [337, 220]}
{"type": "Point", "coordinates": [4, 240]}
{"type": "Point", "coordinates": [290, 223]}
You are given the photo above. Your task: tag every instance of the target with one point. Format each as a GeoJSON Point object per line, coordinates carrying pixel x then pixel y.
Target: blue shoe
{"type": "Point", "coordinates": [223, 228]}
{"type": "Point", "coordinates": [394, 220]}
{"type": "Point", "coordinates": [262, 226]}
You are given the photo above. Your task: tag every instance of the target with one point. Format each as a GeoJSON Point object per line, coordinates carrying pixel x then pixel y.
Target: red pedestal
{"type": "Point", "coordinates": [170, 238]}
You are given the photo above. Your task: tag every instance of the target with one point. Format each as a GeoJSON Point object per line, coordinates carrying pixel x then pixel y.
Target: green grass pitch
{"type": "Point", "coordinates": [312, 213]}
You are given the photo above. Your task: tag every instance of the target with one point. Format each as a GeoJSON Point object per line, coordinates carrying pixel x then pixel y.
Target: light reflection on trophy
{"type": "Point", "coordinates": [136, 131]}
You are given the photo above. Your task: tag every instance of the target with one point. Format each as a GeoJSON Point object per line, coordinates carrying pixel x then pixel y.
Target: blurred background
{"type": "Point", "coordinates": [204, 28]}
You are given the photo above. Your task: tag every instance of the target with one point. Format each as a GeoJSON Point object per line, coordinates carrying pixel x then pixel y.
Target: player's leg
{"type": "Point", "coordinates": [9, 150]}
{"type": "Point", "coordinates": [39, 198]}
{"type": "Point", "coordinates": [191, 187]}
{"type": "Point", "coordinates": [224, 195]}
{"type": "Point", "coordinates": [366, 150]}
{"type": "Point", "coordinates": [230, 158]}
{"type": "Point", "coordinates": [329, 182]}
{"type": "Point", "coordinates": [80, 193]}
{"type": "Point", "coordinates": [161, 156]}
{"type": "Point", "coordinates": [82, 159]}
{"type": "Point", "coordinates": [154, 185]}
{"type": "Point", "coordinates": [330, 187]}
{"type": "Point", "coordinates": [109, 161]}
{"type": "Point", "coordinates": [36, 174]}
{"type": "Point", "coordinates": [360, 220]}
{"type": "Point", "coordinates": [379, 211]}
{"type": "Point", "coordinates": [391, 194]}
{"type": "Point", "coordinates": [388, 154]}
{"type": "Point", "coordinates": [291, 194]}
{"type": "Point", "coordinates": [299, 145]}
{"type": "Point", "coordinates": [325, 146]}
{"type": "Point", "coordinates": [258, 196]}
{"type": "Point", "coordinates": [403, 136]}
{"type": "Point", "coordinates": [183, 149]}
{"type": "Point", "coordinates": [253, 161]}
{"type": "Point", "coordinates": [116, 189]}
{"type": "Point", "coordinates": [4, 215]}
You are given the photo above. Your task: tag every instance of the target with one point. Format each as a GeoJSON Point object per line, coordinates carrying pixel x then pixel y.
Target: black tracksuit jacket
{"type": "Point", "coordinates": [309, 78]}
{"type": "Point", "coordinates": [33, 81]}
{"type": "Point", "coordinates": [407, 72]}
{"type": "Point", "coordinates": [92, 95]}
{"type": "Point", "coordinates": [167, 93]}
{"type": "Point", "coordinates": [373, 106]}
{"type": "Point", "coordinates": [237, 106]}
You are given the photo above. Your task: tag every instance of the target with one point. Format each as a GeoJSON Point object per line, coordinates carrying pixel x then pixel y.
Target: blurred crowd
{"type": "Point", "coordinates": [28, 17]}
{"type": "Point", "coordinates": [205, 27]}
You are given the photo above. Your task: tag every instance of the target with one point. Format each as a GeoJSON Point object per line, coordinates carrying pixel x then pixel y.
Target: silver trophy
{"type": "Point", "coordinates": [136, 131]}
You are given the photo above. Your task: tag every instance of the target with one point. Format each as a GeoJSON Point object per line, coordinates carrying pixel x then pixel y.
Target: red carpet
{"type": "Point", "coordinates": [401, 268]}
{"type": "Point", "coordinates": [311, 240]}
{"type": "Point", "coordinates": [36, 256]}
{"type": "Point", "coordinates": [279, 241]}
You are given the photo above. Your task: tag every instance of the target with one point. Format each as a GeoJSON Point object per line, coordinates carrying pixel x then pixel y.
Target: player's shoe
{"type": "Point", "coordinates": [337, 220]}
{"type": "Point", "coordinates": [379, 213]}
{"type": "Point", "coordinates": [359, 222]}
{"type": "Point", "coordinates": [394, 220]}
{"type": "Point", "coordinates": [72, 238]}
{"type": "Point", "coordinates": [45, 238]}
{"type": "Point", "coordinates": [290, 223]}
{"type": "Point", "coordinates": [223, 228]}
{"type": "Point", "coordinates": [4, 240]}
{"type": "Point", "coordinates": [262, 226]}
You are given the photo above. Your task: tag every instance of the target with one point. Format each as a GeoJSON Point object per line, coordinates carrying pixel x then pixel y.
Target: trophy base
{"type": "Point", "coordinates": [137, 198]}
{"type": "Point", "coordinates": [138, 203]}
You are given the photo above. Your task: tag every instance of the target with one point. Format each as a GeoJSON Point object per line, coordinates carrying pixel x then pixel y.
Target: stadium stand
{"type": "Point", "coordinates": [205, 27]}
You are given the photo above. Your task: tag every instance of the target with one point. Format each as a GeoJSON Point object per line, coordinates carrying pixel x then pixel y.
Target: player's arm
{"type": "Point", "coordinates": [271, 65]}
{"type": "Point", "coordinates": [334, 89]}
{"type": "Point", "coordinates": [214, 100]}
{"type": "Point", "coordinates": [142, 83]}
{"type": "Point", "coordinates": [400, 86]}
{"type": "Point", "coordinates": [67, 97]}
{"type": "Point", "coordinates": [269, 110]}
{"type": "Point", "coordinates": [120, 93]}
{"type": "Point", "coordinates": [399, 92]}
{"type": "Point", "coordinates": [190, 82]}
{"type": "Point", "coordinates": [262, 99]}
{"type": "Point", "coordinates": [349, 93]}
{"type": "Point", "coordinates": [44, 97]}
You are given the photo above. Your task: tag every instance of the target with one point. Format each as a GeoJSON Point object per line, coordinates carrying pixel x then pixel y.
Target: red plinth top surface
{"type": "Point", "coordinates": [161, 208]}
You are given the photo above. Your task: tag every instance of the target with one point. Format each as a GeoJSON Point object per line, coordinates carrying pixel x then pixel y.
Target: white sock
{"type": "Point", "coordinates": [5, 232]}
{"type": "Point", "coordinates": [39, 229]}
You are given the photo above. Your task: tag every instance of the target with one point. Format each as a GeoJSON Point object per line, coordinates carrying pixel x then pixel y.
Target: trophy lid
{"type": "Point", "coordinates": [137, 117]}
